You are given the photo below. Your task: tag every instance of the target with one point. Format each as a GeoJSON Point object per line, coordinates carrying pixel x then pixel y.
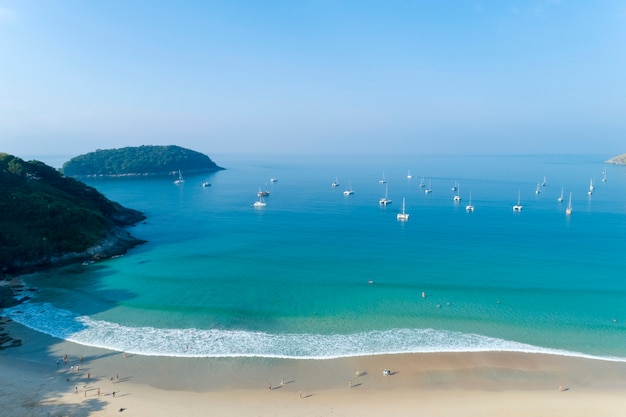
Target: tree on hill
{"type": "Point", "coordinates": [139, 160]}
{"type": "Point", "coordinates": [46, 216]}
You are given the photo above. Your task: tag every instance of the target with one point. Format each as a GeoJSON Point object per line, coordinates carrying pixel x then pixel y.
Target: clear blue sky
{"type": "Point", "coordinates": [317, 76]}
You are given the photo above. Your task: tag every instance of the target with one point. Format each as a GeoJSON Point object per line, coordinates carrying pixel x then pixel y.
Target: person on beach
{"type": "Point", "coordinates": [269, 386]}
{"type": "Point", "coordinates": [88, 375]}
{"type": "Point", "coordinates": [113, 394]}
{"type": "Point", "coordinates": [65, 358]}
{"type": "Point", "coordinates": [282, 381]}
{"type": "Point", "coordinates": [75, 389]}
{"type": "Point", "coordinates": [350, 384]}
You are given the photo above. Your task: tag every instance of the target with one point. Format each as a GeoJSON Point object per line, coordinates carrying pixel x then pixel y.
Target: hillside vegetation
{"type": "Point", "coordinates": [139, 160]}
{"type": "Point", "coordinates": [49, 219]}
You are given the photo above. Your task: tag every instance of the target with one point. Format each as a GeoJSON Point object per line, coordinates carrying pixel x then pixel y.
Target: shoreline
{"type": "Point", "coordinates": [481, 383]}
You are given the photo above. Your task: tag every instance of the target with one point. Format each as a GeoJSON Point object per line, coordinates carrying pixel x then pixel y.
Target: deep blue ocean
{"type": "Point", "coordinates": [317, 274]}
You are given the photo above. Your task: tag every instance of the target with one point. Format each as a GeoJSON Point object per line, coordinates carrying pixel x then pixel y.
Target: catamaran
{"type": "Point", "coordinates": [180, 179]}
{"type": "Point", "coordinates": [385, 200]}
{"type": "Point", "coordinates": [259, 203]}
{"type": "Point", "coordinates": [470, 206]}
{"type": "Point", "coordinates": [402, 216]}
{"type": "Point", "coordinates": [457, 196]}
{"type": "Point", "coordinates": [349, 191]}
{"type": "Point", "coordinates": [568, 210]}
{"type": "Point", "coordinates": [560, 199]}
{"type": "Point", "coordinates": [518, 206]}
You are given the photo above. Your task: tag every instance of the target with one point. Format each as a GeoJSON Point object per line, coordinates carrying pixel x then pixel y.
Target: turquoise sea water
{"type": "Point", "coordinates": [316, 274]}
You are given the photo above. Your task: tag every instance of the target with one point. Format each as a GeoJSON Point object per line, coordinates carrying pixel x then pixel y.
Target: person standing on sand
{"type": "Point", "coordinates": [269, 386]}
{"type": "Point", "coordinates": [350, 384]}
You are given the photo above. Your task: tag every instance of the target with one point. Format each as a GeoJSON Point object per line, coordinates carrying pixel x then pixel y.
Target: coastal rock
{"type": "Point", "coordinates": [617, 160]}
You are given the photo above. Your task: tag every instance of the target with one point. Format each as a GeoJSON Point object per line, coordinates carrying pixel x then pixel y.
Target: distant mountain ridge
{"type": "Point", "coordinates": [139, 160]}
{"type": "Point", "coordinates": [618, 160]}
{"type": "Point", "coordinates": [48, 219]}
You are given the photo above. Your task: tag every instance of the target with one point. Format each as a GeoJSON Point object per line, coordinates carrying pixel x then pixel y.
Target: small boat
{"type": "Point", "coordinates": [259, 203]}
{"type": "Point", "coordinates": [206, 184]}
{"type": "Point", "coordinates": [382, 180]}
{"type": "Point", "coordinates": [263, 193]}
{"type": "Point", "coordinates": [180, 179]}
{"type": "Point", "coordinates": [543, 183]}
{"type": "Point", "coordinates": [518, 206]}
{"type": "Point", "coordinates": [469, 207]}
{"type": "Point", "coordinates": [385, 200]}
{"type": "Point", "coordinates": [457, 196]}
{"type": "Point", "coordinates": [349, 191]}
{"type": "Point", "coordinates": [335, 183]}
{"type": "Point", "coordinates": [591, 187]}
{"type": "Point", "coordinates": [604, 175]}
{"type": "Point", "coordinates": [402, 216]}
{"type": "Point", "coordinates": [408, 175]}
{"type": "Point", "coordinates": [568, 210]}
{"type": "Point", "coordinates": [429, 189]}
{"type": "Point", "coordinates": [273, 180]}
{"type": "Point", "coordinates": [560, 199]}
{"type": "Point", "coordinates": [537, 190]}
{"type": "Point", "coordinates": [455, 186]}
{"type": "Point", "coordinates": [422, 184]}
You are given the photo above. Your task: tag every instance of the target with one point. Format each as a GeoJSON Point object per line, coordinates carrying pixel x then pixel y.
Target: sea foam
{"type": "Point", "coordinates": [191, 342]}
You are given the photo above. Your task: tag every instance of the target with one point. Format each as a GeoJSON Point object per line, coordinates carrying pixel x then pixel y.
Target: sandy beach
{"type": "Point", "coordinates": [434, 384]}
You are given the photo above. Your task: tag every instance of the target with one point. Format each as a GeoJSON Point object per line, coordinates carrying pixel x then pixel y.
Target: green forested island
{"type": "Point", "coordinates": [619, 159]}
{"type": "Point", "coordinates": [49, 219]}
{"type": "Point", "coordinates": [139, 160]}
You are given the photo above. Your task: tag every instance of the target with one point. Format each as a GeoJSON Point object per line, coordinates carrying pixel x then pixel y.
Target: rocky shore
{"type": "Point", "coordinates": [617, 160]}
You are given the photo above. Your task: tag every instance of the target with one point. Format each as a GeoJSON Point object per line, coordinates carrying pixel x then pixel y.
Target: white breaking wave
{"type": "Point", "coordinates": [151, 341]}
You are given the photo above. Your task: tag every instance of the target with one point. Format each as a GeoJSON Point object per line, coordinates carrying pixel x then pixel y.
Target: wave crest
{"type": "Point", "coordinates": [193, 342]}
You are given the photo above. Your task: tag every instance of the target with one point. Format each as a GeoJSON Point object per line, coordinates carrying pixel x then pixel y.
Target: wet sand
{"type": "Point", "coordinates": [434, 384]}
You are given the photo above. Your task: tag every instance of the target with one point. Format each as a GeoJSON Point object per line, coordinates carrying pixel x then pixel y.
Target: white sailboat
{"type": "Point", "coordinates": [457, 196]}
{"type": "Point", "coordinates": [180, 179]}
{"type": "Point", "coordinates": [429, 189]}
{"type": "Point", "coordinates": [335, 183]}
{"type": "Point", "coordinates": [518, 206]}
{"type": "Point", "coordinates": [382, 180]}
{"type": "Point", "coordinates": [206, 184]}
{"type": "Point", "coordinates": [537, 190]}
{"type": "Point", "coordinates": [604, 175]}
{"type": "Point", "coordinates": [259, 203]}
{"type": "Point", "coordinates": [422, 184]}
{"type": "Point", "coordinates": [591, 187]}
{"type": "Point", "coordinates": [543, 184]}
{"type": "Point", "coordinates": [408, 175]}
{"type": "Point", "coordinates": [470, 206]}
{"type": "Point", "coordinates": [560, 199]}
{"type": "Point", "coordinates": [385, 200]}
{"type": "Point", "coordinates": [349, 191]}
{"type": "Point", "coordinates": [568, 210]}
{"type": "Point", "coordinates": [403, 216]}
{"type": "Point", "coordinates": [455, 186]}
{"type": "Point", "coordinates": [263, 193]}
